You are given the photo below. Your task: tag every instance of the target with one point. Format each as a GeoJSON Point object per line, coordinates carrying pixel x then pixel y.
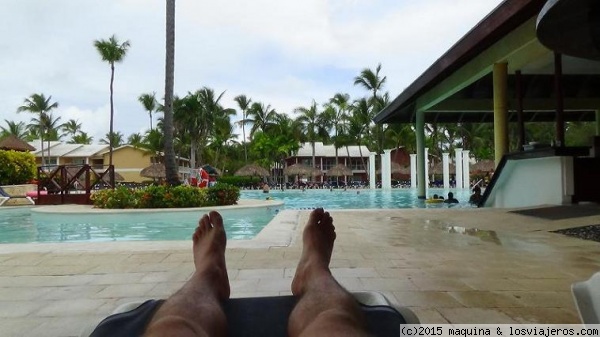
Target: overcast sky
{"type": "Point", "coordinates": [284, 53]}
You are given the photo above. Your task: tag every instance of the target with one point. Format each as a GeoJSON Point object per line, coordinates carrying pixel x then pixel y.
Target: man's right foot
{"type": "Point", "coordinates": [317, 246]}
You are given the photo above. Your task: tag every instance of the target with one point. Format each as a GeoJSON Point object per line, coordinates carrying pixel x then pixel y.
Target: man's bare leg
{"type": "Point", "coordinates": [324, 307]}
{"type": "Point", "coordinates": [195, 310]}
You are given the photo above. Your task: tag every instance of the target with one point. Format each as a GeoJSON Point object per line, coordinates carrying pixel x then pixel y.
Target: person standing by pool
{"type": "Point", "coordinates": [324, 307]}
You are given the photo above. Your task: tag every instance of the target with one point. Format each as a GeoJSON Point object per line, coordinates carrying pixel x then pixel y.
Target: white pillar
{"type": "Point", "coordinates": [446, 169]}
{"type": "Point", "coordinates": [386, 170]}
{"type": "Point", "coordinates": [372, 170]}
{"type": "Point", "coordinates": [413, 170]}
{"type": "Point", "coordinates": [465, 167]}
{"type": "Point", "coordinates": [426, 168]}
{"type": "Point", "coordinates": [459, 171]}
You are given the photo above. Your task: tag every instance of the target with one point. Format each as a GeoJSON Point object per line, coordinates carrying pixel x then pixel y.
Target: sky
{"type": "Point", "coordinates": [285, 53]}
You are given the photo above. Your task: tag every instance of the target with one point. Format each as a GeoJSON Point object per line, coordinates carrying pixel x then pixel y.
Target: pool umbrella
{"type": "Point", "coordinates": [154, 171]}
{"type": "Point", "coordinates": [11, 142]}
{"type": "Point", "coordinates": [339, 170]}
{"type": "Point", "coordinates": [252, 170]}
{"type": "Point", "coordinates": [301, 169]}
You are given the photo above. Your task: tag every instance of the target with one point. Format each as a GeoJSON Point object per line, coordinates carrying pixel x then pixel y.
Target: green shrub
{"type": "Point", "coordinates": [153, 197]}
{"type": "Point", "coordinates": [223, 194]}
{"type": "Point", "coordinates": [16, 167]}
{"type": "Point", "coordinates": [120, 197]}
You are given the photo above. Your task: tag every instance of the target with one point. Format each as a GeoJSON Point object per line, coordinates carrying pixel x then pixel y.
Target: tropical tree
{"type": "Point", "coordinates": [115, 138]}
{"type": "Point", "coordinates": [370, 80]}
{"type": "Point", "coordinates": [197, 114]}
{"type": "Point", "coordinates": [243, 103]}
{"type": "Point", "coordinates": [149, 103]}
{"type": "Point", "coordinates": [111, 51]}
{"type": "Point", "coordinates": [314, 125]}
{"type": "Point", "coordinates": [171, 167]}
{"type": "Point", "coordinates": [261, 116]}
{"type": "Point", "coordinates": [70, 128]}
{"type": "Point", "coordinates": [136, 140]}
{"type": "Point", "coordinates": [17, 129]}
{"type": "Point", "coordinates": [47, 125]}
{"type": "Point", "coordinates": [154, 143]}
{"type": "Point", "coordinates": [223, 136]}
{"type": "Point", "coordinates": [339, 105]}
{"type": "Point", "coordinates": [81, 138]}
{"type": "Point", "coordinates": [38, 104]}
{"type": "Point", "coordinates": [279, 142]}
{"type": "Point", "coordinates": [358, 123]}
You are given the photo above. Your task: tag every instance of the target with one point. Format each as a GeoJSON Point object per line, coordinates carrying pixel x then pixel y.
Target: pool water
{"type": "Point", "coordinates": [356, 198]}
{"type": "Point", "coordinates": [20, 225]}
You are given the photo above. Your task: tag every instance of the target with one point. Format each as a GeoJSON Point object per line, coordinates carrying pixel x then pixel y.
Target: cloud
{"type": "Point", "coordinates": [283, 53]}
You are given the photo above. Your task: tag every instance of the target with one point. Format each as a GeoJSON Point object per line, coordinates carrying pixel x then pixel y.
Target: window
{"type": "Point", "coordinates": [328, 163]}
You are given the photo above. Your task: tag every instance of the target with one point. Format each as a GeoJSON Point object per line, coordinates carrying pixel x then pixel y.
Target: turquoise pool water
{"type": "Point", "coordinates": [20, 225]}
{"type": "Point", "coordinates": [356, 198]}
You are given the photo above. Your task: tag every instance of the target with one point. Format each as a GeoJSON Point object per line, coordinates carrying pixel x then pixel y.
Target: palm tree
{"type": "Point", "coordinates": [40, 105]}
{"type": "Point", "coordinates": [261, 117]}
{"type": "Point", "coordinates": [244, 103]}
{"type": "Point", "coordinates": [370, 80]}
{"type": "Point", "coordinates": [340, 103]}
{"type": "Point", "coordinates": [81, 138]}
{"type": "Point", "coordinates": [154, 142]}
{"type": "Point", "coordinates": [136, 140]}
{"type": "Point", "coordinates": [197, 114]}
{"type": "Point", "coordinates": [71, 128]}
{"type": "Point", "coordinates": [49, 125]}
{"type": "Point", "coordinates": [149, 103]}
{"type": "Point", "coordinates": [313, 123]}
{"type": "Point", "coordinates": [171, 167]}
{"type": "Point", "coordinates": [359, 123]}
{"type": "Point", "coordinates": [115, 138]}
{"type": "Point", "coordinates": [112, 52]}
{"type": "Point", "coordinates": [18, 130]}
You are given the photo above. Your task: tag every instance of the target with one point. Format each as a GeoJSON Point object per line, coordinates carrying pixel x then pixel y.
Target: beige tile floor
{"type": "Point", "coordinates": [457, 266]}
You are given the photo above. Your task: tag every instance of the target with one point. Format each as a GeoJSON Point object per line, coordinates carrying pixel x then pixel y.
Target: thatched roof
{"type": "Point", "coordinates": [11, 142]}
{"type": "Point", "coordinates": [483, 166]}
{"type": "Point", "coordinates": [154, 171]}
{"type": "Point", "coordinates": [339, 170]}
{"type": "Point", "coordinates": [301, 169]}
{"type": "Point", "coordinates": [252, 170]}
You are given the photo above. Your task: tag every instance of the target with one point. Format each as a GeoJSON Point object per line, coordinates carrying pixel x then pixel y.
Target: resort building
{"type": "Point", "coordinates": [354, 157]}
{"type": "Point", "coordinates": [521, 63]}
{"type": "Point", "coordinates": [127, 159]}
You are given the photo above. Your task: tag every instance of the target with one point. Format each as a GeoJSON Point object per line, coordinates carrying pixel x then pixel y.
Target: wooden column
{"type": "Point", "coordinates": [521, 122]}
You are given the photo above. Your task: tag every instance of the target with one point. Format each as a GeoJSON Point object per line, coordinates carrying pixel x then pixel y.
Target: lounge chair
{"type": "Point", "coordinates": [587, 299]}
{"type": "Point", "coordinates": [5, 197]}
{"type": "Point", "coordinates": [260, 316]}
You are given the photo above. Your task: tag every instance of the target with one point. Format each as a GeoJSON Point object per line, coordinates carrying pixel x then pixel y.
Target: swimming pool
{"type": "Point", "coordinates": [20, 225]}
{"type": "Point", "coordinates": [356, 198]}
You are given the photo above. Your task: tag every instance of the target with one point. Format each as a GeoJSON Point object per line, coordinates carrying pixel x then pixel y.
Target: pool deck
{"type": "Point", "coordinates": [447, 265]}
